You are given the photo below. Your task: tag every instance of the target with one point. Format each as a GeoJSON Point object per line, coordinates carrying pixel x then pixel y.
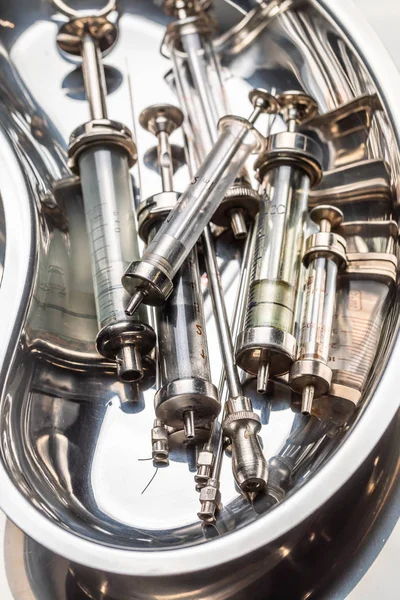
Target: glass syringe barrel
{"type": "Point", "coordinates": [110, 221]}
{"type": "Point", "coordinates": [320, 290]}
{"type": "Point", "coordinates": [199, 84]}
{"type": "Point", "coordinates": [287, 170]}
{"type": "Point", "coordinates": [184, 367]}
{"type": "Point", "coordinates": [325, 254]}
{"type": "Point", "coordinates": [150, 280]}
{"type": "Point", "coordinates": [184, 375]}
{"type": "Point", "coordinates": [101, 152]}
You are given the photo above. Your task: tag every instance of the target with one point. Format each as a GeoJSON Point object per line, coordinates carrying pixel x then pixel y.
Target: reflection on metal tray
{"type": "Point", "coordinates": [76, 471]}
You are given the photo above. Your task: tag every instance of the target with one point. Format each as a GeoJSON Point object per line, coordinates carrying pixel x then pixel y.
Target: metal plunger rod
{"type": "Point", "coordinates": [204, 471]}
{"type": "Point", "coordinates": [165, 161]}
{"type": "Point", "coordinates": [210, 497]}
{"type": "Point", "coordinates": [221, 318]}
{"type": "Point", "coordinates": [94, 78]}
{"type": "Point", "coordinates": [236, 325]}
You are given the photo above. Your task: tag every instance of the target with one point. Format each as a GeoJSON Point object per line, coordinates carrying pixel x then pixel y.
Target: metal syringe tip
{"type": "Point", "coordinates": [262, 377]}
{"type": "Point", "coordinates": [135, 302]}
{"type": "Point", "coordinates": [210, 501]}
{"type": "Point", "coordinates": [238, 224]}
{"type": "Point", "coordinates": [207, 512]}
{"type": "Point", "coordinates": [129, 364]}
{"type": "Point", "coordinates": [307, 400]}
{"type": "Point", "coordinates": [188, 423]}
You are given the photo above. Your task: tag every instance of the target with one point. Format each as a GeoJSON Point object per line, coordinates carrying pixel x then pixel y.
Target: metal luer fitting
{"type": "Point", "coordinates": [242, 425]}
{"type": "Point", "coordinates": [240, 200]}
{"type": "Point", "coordinates": [205, 462]}
{"type": "Point", "coordinates": [210, 499]}
{"type": "Point", "coordinates": [98, 132]}
{"type": "Point", "coordinates": [159, 443]}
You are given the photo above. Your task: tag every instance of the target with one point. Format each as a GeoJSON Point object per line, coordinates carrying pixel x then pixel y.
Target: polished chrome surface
{"type": "Point", "coordinates": [72, 436]}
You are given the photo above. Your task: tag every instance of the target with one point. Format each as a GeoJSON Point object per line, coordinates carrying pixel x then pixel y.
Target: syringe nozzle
{"type": "Point", "coordinates": [129, 364]}
{"type": "Point", "coordinates": [188, 422]}
{"type": "Point", "coordinates": [242, 425]}
{"type": "Point", "coordinates": [307, 400]}
{"type": "Point", "coordinates": [135, 302]}
{"type": "Point", "coordinates": [238, 224]}
{"type": "Point", "coordinates": [262, 377]}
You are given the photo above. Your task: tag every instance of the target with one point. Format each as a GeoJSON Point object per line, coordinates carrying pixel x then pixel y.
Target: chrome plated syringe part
{"type": "Point", "coordinates": [248, 463]}
{"type": "Point", "coordinates": [159, 443]}
{"type": "Point", "coordinates": [188, 7]}
{"type": "Point", "coordinates": [150, 279]}
{"type": "Point", "coordinates": [162, 120]}
{"type": "Point", "coordinates": [209, 461]}
{"type": "Point", "coordinates": [186, 399]}
{"type": "Point", "coordinates": [191, 402]}
{"type": "Point", "coordinates": [290, 164]}
{"type": "Point", "coordinates": [210, 499]}
{"type": "Point", "coordinates": [205, 462]}
{"type": "Point", "coordinates": [325, 254]}
{"type": "Point", "coordinates": [240, 203]}
{"type": "Point", "coordinates": [240, 424]}
{"type": "Point", "coordinates": [101, 152]}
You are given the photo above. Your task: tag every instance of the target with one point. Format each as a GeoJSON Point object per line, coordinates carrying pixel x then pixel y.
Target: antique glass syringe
{"type": "Point", "coordinates": [290, 165]}
{"type": "Point", "coordinates": [186, 398]}
{"type": "Point", "coordinates": [101, 152]}
{"type": "Point", "coordinates": [325, 254]}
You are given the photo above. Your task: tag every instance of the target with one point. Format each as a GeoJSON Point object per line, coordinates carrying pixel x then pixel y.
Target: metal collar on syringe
{"type": "Point", "coordinates": [89, 38]}
{"type": "Point", "coordinates": [290, 147]}
{"type": "Point", "coordinates": [325, 242]}
{"type": "Point", "coordinates": [191, 17]}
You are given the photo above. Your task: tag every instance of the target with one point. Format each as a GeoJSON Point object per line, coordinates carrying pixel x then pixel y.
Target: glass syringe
{"type": "Point", "coordinates": [364, 295]}
{"type": "Point", "coordinates": [325, 254]}
{"type": "Point", "coordinates": [101, 152]}
{"type": "Point", "coordinates": [287, 169]}
{"type": "Point", "coordinates": [150, 279]}
{"type": "Point", "coordinates": [186, 398]}
{"type": "Point", "coordinates": [197, 76]}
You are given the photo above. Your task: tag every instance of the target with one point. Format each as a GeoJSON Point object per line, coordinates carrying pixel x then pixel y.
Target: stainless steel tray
{"type": "Point", "coordinates": [75, 441]}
